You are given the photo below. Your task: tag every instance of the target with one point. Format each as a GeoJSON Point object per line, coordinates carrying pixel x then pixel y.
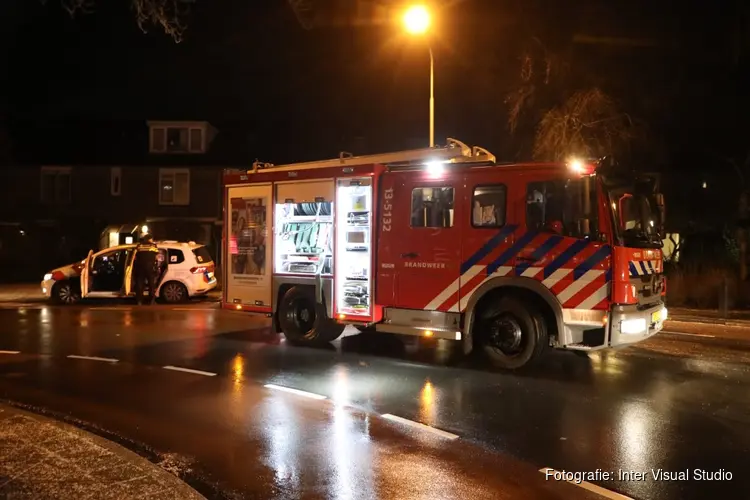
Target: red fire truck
{"type": "Point", "coordinates": [447, 243]}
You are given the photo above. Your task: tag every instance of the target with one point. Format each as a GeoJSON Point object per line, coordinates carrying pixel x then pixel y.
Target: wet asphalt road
{"type": "Point", "coordinates": [677, 402]}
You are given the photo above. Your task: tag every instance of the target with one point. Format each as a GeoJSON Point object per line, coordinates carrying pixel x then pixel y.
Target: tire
{"type": "Point", "coordinates": [66, 293]}
{"type": "Point", "coordinates": [304, 321]}
{"type": "Point", "coordinates": [173, 292]}
{"type": "Point", "coordinates": [513, 334]}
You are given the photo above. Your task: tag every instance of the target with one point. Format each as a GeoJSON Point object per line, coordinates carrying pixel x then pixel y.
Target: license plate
{"type": "Point", "coordinates": [656, 317]}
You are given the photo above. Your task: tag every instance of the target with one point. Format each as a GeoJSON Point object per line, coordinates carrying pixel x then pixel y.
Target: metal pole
{"type": "Point", "coordinates": [432, 99]}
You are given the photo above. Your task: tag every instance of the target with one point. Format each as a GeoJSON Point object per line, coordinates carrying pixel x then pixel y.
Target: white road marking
{"type": "Point", "coordinates": [294, 391]}
{"type": "Point", "coordinates": [420, 426]}
{"type": "Point", "coordinates": [690, 334]}
{"type": "Point", "coordinates": [189, 370]}
{"type": "Point", "coordinates": [10, 352]}
{"type": "Point", "coordinates": [93, 358]}
{"type": "Point", "coordinates": [591, 487]}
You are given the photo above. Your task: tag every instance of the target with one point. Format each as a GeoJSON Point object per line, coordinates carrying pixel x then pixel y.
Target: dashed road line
{"type": "Point", "coordinates": [306, 394]}
{"type": "Point", "coordinates": [549, 473]}
{"type": "Point", "coordinates": [10, 352]}
{"type": "Point", "coordinates": [418, 425]}
{"type": "Point", "coordinates": [690, 334]}
{"type": "Point", "coordinates": [93, 358]}
{"type": "Point", "coordinates": [189, 370]}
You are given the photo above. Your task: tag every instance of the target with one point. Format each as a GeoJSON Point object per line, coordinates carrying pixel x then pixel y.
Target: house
{"type": "Point", "coordinates": [110, 181]}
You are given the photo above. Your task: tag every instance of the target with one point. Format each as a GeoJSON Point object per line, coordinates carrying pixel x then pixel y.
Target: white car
{"type": "Point", "coordinates": [190, 272]}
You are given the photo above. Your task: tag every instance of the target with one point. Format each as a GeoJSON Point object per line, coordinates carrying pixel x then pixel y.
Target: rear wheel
{"type": "Point", "coordinates": [303, 320]}
{"type": "Point", "coordinates": [173, 292]}
{"type": "Point", "coordinates": [513, 334]}
{"type": "Point", "coordinates": [66, 293]}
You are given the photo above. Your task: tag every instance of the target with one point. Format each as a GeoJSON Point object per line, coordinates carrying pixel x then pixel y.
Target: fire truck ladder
{"type": "Point", "coordinates": [455, 152]}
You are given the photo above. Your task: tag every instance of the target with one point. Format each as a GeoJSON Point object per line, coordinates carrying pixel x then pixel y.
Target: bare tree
{"type": "Point", "coordinates": [564, 121]}
{"type": "Point", "coordinates": [588, 125]}
{"type": "Point", "coordinates": [169, 15]}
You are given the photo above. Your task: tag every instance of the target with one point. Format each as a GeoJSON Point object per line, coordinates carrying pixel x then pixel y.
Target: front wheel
{"type": "Point", "coordinates": [66, 293]}
{"type": "Point", "coordinates": [513, 334]}
{"type": "Point", "coordinates": [303, 320]}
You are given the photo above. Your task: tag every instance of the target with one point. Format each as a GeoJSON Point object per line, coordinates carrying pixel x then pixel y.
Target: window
{"type": "Point", "coordinates": [177, 140]}
{"type": "Point", "coordinates": [202, 255]}
{"type": "Point", "coordinates": [196, 140]}
{"type": "Point", "coordinates": [432, 207]}
{"type": "Point", "coordinates": [175, 256]}
{"type": "Point", "coordinates": [115, 181]}
{"type": "Point", "coordinates": [559, 207]}
{"type": "Point", "coordinates": [55, 185]}
{"type": "Point", "coordinates": [174, 186]}
{"type": "Point", "coordinates": [488, 206]}
{"type": "Point", "coordinates": [158, 140]}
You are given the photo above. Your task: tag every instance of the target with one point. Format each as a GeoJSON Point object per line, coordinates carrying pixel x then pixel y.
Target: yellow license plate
{"type": "Point", "coordinates": [656, 317]}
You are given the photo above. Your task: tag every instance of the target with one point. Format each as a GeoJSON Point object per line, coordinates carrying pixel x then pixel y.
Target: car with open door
{"type": "Point", "coordinates": [186, 270]}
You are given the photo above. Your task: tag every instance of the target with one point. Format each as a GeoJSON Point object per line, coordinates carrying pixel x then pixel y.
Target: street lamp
{"type": "Point", "coordinates": [417, 22]}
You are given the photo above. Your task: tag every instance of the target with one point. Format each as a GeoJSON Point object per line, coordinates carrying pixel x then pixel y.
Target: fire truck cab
{"type": "Point", "coordinates": [448, 243]}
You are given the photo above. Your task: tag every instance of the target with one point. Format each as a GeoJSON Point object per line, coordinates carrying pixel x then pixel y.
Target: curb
{"type": "Point", "coordinates": [70, 447]}
{"type": "Point", "coordinates": [709, 321]}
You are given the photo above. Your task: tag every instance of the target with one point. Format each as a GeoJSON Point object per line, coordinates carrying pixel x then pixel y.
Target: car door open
{"type": "Point", "coordinates": [127, 286]}
{"type": "Point", "coordinates": [86, 274]}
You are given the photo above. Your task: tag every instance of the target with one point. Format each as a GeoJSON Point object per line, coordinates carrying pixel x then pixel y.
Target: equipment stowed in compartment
{"type": "Point", "coordinates": [308, 237]}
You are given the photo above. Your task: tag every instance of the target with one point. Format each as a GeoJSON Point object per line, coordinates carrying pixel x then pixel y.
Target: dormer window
{"type": "Point", "coordinates": [179, 137]}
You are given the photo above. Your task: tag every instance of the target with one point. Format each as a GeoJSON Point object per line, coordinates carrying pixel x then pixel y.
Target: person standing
{"type": "Point", "coordinates": [145, 268]}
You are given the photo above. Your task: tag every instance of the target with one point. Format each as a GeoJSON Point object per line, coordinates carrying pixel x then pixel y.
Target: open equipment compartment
{"type": "Point", "coordinates": [353, 275]}
{"type": "Point", "coordinates": [304, 238]}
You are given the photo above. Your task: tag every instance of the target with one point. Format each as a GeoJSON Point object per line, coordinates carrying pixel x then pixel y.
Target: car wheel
{"type": "Point", "coordinates": [173, 292]}
{"type": "Point", "coordinates": [66, 293]}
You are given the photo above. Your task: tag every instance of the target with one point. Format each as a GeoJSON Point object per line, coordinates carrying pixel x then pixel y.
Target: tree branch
{"type": "Point", "coordinates": [169, 15]}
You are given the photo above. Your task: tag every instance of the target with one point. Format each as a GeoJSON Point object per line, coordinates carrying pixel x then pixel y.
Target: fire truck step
{"type": "Point", "coordinates": [435, 333]}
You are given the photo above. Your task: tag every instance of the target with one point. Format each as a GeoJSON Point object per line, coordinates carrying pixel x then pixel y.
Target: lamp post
{"type": "Point", "coordinates": [417, 22]}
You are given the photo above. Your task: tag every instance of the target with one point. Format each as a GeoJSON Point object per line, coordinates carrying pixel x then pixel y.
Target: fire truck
{"type": "Point", "coordinates": [448, 243]}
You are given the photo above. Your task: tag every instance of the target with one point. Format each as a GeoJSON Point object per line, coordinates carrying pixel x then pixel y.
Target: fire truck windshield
{"type": "Point", "coordinates": [635, 215]}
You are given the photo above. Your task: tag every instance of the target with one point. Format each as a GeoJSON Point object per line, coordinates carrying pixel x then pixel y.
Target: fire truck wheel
{"type": "Point", "coordinates": [303, 320]}
{"type": "Point", "coordinates": [513, 333]}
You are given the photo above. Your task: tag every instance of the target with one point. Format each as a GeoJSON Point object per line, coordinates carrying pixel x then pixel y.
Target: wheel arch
{"type": "Point", "coordinates": [528, 288]}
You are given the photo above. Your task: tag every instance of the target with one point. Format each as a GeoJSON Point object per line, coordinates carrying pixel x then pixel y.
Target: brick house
{"type": "Point", "coordinates": [164, 175]}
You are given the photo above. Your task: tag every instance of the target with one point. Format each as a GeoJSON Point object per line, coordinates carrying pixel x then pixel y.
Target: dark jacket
{"type": "Point", "coordinates": [145, 258]}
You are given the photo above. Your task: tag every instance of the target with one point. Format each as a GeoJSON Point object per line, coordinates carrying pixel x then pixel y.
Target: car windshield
{"type": "Point", "coordinates": [635, 215]}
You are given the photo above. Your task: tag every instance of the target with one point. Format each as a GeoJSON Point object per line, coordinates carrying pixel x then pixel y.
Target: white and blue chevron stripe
{"type": "Point", "coordinates": [644, 267]}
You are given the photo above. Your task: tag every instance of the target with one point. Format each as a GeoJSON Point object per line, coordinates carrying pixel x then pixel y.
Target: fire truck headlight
{"type": "Point", "coordinates": [633, 326]}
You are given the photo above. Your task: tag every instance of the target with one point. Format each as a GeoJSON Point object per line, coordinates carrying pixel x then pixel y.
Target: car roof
{"type": "Point", "coordinates": [163, 244]}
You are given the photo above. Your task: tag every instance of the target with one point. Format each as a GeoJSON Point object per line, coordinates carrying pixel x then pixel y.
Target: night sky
{"type": "Point", "coordinates": [75, 89]}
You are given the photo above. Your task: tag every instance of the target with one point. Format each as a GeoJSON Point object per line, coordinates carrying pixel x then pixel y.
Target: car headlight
{"type": "Point", "coordinates": [633, 326]}
{"type": "Point", "coordinates": [47, 276]}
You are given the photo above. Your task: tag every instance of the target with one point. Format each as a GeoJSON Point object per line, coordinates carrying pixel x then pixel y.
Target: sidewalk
{"type": "Point", "coordinates": [41, 458]}
{"type": "Point", "coordinates": [21, 292]}
{"type": "Point", "coordinates": [734, 318]}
